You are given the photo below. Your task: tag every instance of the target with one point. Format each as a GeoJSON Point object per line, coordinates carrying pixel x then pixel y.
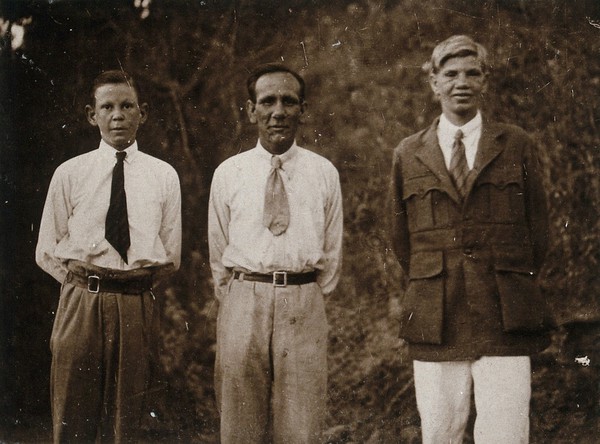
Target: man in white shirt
{"type": "Point", "coordinates": [275, 239]}
{"type": "Point", "coordinates": [111, 226]}
{"type": "Point", "coordinates": [469, 226]}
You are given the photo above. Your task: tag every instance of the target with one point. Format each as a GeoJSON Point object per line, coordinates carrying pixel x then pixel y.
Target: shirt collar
{"type": "Point", "coordinates": [289, 154]}
{"type": "Point", "coordinates": [468, 128]}
{"type": "Point", "coordinates": [109, 152]}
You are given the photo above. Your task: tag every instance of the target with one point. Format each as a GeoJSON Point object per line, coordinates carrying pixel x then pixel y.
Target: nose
{"type": "Point", "coordinates": [278, 110]}
{"type": "Point", "coordinates": [117, 114]}
{"type": "Point", "coordinates": [461, 80]}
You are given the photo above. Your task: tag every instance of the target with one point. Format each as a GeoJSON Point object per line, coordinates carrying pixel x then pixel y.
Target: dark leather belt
{"type": "Point", "coordinates": [278, 278]}
{"type": "Point", "coordinates": [96, 283]}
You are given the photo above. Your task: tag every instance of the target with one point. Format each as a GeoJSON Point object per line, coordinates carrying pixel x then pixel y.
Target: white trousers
{"type": "Point", "coordinates": [502, 389]}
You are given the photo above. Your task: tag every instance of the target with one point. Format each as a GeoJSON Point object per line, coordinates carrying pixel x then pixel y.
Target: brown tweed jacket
{"type": "Point", "coordinates": [471, 263]}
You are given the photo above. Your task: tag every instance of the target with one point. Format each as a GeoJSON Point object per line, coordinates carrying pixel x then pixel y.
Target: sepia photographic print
{"type": "Point", "coordinates": [361, 84]}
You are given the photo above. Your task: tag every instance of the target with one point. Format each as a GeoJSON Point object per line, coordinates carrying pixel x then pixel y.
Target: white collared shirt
{"type": "Point", "coordinates": [471, 135]}
{"type": "Point", "coordinates": [74, 216]}
{"type": "Point", "coordinates": [237, 238]}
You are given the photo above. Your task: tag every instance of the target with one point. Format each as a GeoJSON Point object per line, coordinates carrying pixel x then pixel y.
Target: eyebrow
{"type": "Point", "coordinates": [112, 102]}
{"type": "Point", "coordinates": [453, 70]}
{"type": "Point", "coordinates": [283, 97]}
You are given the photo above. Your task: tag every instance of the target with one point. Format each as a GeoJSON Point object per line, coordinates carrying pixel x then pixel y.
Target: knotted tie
{"type": "Point", "coordinates": [276, 214]}
{"type": "Point", "coordinates": [117, 226]}
{"type": "Point", "coordinates": [459, 169]}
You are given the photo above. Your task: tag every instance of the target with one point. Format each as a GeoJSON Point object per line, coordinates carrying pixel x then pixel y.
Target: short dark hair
{"type": "Point", "coordinates": [114, 76]}
{"type": "Point", "coordinates": [269, 68]}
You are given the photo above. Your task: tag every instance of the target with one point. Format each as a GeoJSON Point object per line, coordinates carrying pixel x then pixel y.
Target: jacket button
{"type": "Point", "coordinates": [468, 251]}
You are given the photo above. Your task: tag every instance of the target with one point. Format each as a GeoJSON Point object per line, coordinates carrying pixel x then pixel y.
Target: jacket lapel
{"type": "Point", "coordinates": [430, 154]}
{"type": "Point", "coordinates": [488, 149]}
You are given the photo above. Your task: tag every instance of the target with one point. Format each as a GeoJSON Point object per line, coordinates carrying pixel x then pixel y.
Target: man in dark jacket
{"type": "Point", "coordinates": [470, 230]}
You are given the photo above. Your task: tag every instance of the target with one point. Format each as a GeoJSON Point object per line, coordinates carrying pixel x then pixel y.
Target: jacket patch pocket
{"type": "Point", "coordinates": [505, 188]}
{"type": "Point", "coordinates": [417, 193]}
{"type": "Point", "coordinates": [523, 307]}
{"type": "Point", "coordinates": [422, 316]}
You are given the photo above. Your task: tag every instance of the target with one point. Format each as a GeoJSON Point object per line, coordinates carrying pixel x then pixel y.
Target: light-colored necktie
{"type": "Point", "coordinates": [459, 169]}
{"type": "Point", "coordinates": [276, 214]}
{"type": "Point", "coordinates": [117, 226]}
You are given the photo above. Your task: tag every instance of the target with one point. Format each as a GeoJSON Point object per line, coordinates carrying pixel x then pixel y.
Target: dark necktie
{"type": "Point", "coordinates": [276, 214]}
{"type": "Point", "coordinates": [117, 226]}
{"type": "Point", "coordinates": [459, 169]}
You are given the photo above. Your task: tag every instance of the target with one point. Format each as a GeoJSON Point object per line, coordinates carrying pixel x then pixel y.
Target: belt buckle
{"type": "Point", "coordinates": [280, 278]}
{"type": "Point", "coordinates": [93, 283]}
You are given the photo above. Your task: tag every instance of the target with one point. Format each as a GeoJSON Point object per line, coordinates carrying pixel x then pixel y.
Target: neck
{"type": "Point", "coordinates": [118, 148]}
{"type": "Point", "coordinates": [276, 149]}
{"type": "Point", "coordinates": [458, 119]}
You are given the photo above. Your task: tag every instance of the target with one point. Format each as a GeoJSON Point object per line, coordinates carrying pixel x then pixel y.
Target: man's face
{"type": "Point", "coordinates": [459, 84]}
{"type": "Point", "coordinates": [277, 110]}
{"type": "Point", "coordinates": [117, 114]}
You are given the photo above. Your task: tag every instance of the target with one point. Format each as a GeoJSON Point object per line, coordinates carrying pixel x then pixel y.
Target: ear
{"type": "Point", "coordinates": [433, 84]}
{"type": "Point", "coordinates": [484, 86]}
{"type": "Point", "coordinates": [303, 106]}
{"type": "Point", "coordinates": [90, 113]}
{"type": "Point", "coordinates": [143, 112]}
{"type": "Point", "coordinates": [251, 111]}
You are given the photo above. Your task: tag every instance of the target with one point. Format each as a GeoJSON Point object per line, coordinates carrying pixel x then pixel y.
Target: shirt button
{"type": "Point", "coordinates": [285, 353]}
{"type": "Point", "coordinates": [293, 321]}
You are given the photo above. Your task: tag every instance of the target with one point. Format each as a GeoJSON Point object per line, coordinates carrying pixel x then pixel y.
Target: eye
{"type": "Point", "coordinates": [105, 106]}
{"type": "Point", "coordinates": [290, 101]}
{"type": "Point", "coordinates": [268, 101]}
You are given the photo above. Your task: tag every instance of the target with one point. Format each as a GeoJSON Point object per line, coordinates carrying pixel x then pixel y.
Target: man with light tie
{"type": "Point", "coordinates": [275, 239]}
{"type": "Point", "coordinates": [111, 227]}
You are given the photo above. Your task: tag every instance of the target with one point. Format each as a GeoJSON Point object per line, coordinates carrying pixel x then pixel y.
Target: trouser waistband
{"type": "Point", "coordinates": [107, 280]}
{"type": "Point", "coordinates": [278, 278]}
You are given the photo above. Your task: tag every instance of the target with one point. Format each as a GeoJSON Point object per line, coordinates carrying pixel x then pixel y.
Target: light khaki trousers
{"type": "Point", "coordinates": [502, 389]}
{"type": "Point", "coordinates": [271, 363]}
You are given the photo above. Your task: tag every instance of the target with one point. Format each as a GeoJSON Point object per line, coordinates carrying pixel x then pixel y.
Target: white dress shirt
{"type": "Point", "coordinates": [78, 198]}
{"type": "Point", "coordinates": [471, 135]}
{"type": "Point", "coordinates": [237, 238]}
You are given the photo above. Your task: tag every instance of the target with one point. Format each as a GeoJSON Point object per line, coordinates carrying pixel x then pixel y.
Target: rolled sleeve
{"type": "Point", "coordinates": [170, 231]}
{"type": "Point", "coordinates": [334, 227]}
{"type": "Point", "coordinates": [54, 226]}
{"type": "Point", "coordinates": [218, 233]}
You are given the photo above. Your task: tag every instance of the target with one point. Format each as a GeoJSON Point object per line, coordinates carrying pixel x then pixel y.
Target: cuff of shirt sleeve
{"type": "Point", "coordinates": [220, 291]}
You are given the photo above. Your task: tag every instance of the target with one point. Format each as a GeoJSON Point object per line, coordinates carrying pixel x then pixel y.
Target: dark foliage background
{"type": "Point", "coordinates": [361, 60]}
